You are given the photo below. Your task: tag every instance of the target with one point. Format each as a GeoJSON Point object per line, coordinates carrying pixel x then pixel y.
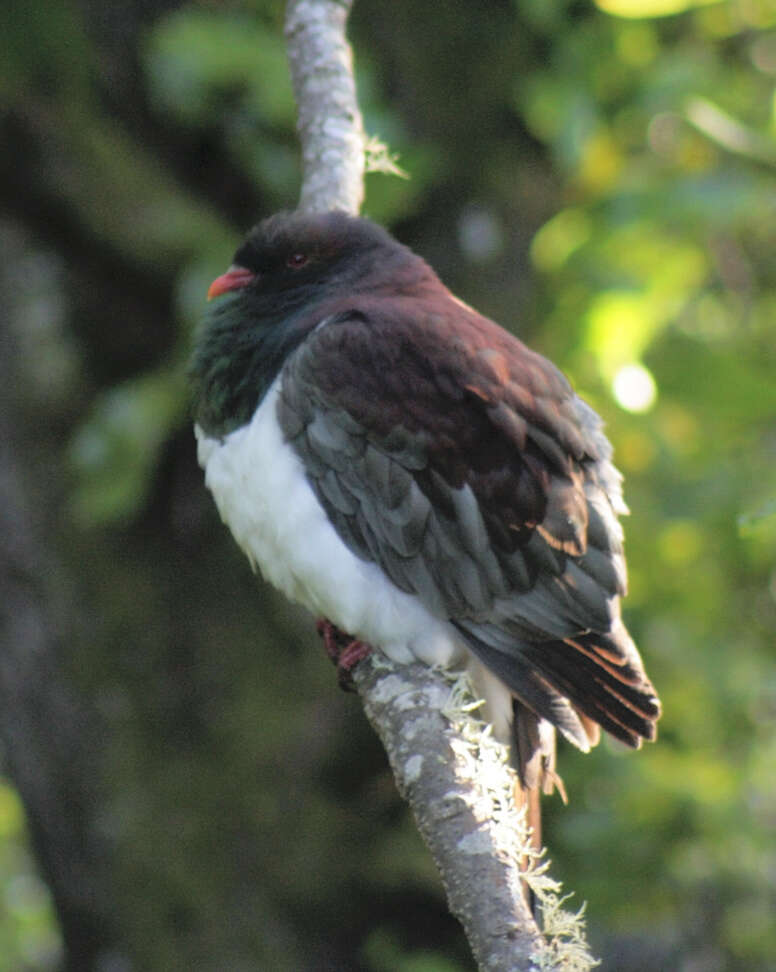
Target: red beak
{"type": "Point", "coordinates": [234, 278]}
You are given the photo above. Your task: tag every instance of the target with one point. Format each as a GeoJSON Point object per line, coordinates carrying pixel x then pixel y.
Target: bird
{"type": "Point", "coordinates": [414, 474]}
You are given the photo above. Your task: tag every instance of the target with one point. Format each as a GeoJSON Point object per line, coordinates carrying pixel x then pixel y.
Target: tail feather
{"type": "Point", "coordinates": [599, 677]}
{"type": "Point", "coordinates": [528, 685]}
{"type": "Point", "coordinates": [621, 701]}
{"type": "Point", "coordinates": [578, 685]}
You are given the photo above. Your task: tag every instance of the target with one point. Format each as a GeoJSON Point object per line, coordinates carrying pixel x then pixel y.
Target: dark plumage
{"type": "Point", "coordinates": [442, 450]}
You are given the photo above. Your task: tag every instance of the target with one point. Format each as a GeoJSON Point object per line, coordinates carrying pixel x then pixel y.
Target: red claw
{"type": "Point", "coordinates": [344, 651]}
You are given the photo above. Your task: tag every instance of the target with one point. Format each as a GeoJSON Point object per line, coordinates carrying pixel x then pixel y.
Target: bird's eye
{"type": "Point", "coordinates": [297, 260]}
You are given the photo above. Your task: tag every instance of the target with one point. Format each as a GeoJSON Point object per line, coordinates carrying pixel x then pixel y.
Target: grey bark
{"type": "Point", "coordinates": [330, 126]}
{"type": "Point", "coordinates": [477, 856]}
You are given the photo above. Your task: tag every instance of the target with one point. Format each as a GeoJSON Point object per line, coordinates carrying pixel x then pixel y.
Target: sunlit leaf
{"type": "Point", "coordinates": [649, 8]}
{"type": "Point", "coordinates": [560, 237]}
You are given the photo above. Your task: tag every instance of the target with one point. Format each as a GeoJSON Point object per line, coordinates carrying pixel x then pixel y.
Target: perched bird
{"type": "Point", "coordinates": [404, 467]}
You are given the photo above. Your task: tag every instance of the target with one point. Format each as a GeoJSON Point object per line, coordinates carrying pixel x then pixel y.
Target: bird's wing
{"type": "Point", "coordinates": [463, 464]}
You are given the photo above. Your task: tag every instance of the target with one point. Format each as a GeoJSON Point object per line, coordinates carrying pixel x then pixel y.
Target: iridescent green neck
{"type": "Point", "coordinates": [237, 356]}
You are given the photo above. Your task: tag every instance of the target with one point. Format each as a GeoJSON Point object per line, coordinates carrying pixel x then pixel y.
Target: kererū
{"type": "Point", "coordinates": [404, 467]}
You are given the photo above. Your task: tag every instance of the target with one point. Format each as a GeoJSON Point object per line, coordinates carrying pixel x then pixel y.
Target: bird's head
{"type": "Point", "coordinates": [296, 258]}
{"type": "Point", "coordinates": [292, 271]}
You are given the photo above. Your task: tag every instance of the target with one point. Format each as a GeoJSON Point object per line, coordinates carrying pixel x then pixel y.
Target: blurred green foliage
{"type": "Point", "coordinates": [28, 935]}
{"type": "Point", "coordinates": [599, 178]}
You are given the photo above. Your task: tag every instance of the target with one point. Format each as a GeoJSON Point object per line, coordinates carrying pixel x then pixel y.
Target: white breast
{"type": "Point", "coordinates": [263, 495]}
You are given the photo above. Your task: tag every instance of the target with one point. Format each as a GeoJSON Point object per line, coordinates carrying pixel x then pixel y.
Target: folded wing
{"type": "Point", "coordinates": [464, 465]}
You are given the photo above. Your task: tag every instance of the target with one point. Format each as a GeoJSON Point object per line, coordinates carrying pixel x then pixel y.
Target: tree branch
{"type": "Point", "coordinates": [330, 126]}
{"type": "Point", "coordinates": [446, 764]}
{"type": "Point", "coordinates": [464, 813]}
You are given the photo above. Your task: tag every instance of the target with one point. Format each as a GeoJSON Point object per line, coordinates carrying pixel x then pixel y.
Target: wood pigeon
{"type": "Point", "coordinates": [409, 470]}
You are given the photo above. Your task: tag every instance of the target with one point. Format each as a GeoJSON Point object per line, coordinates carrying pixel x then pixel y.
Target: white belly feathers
{"type": "Point", "coordinates": [263, 496]}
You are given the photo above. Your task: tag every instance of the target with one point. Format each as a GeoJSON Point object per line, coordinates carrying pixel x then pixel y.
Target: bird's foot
{"type": "Point", "coordinates": [344, 651]}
